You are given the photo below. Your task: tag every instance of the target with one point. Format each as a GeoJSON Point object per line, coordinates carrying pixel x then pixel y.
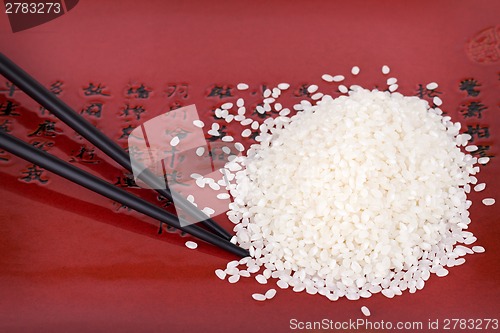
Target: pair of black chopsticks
{"type": "Point", "coordinates": [44, 97]}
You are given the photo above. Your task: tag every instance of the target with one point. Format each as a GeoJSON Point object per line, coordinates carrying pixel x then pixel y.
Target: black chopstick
{"type": "Point", "coordinates": [61, 110]}
{"type": "Point", "coordinates": [93, 183]}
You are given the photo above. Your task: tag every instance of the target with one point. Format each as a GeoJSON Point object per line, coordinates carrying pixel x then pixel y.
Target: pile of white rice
{"type": "Point", "coordinates": [356, 195]}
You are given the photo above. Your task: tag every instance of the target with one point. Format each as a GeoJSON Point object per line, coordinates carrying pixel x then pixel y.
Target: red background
{"type": "Point", "coordinates": [70, 262]}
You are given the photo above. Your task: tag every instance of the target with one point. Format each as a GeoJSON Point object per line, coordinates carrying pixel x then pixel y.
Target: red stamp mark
{"type": "Point", "coordinates": [484, 47]}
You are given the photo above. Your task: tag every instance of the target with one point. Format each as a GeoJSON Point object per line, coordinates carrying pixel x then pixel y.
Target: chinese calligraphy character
{"type": "Point", "coordinates": [94, 110]}
{"type": "Point", "coordinates": [10, 88]}
{"type": "Point", "coordinates": [32, 173]}
{"type": "Point", "coordinates": [56, 87]}
{"type": "Point", "coordinates": [181, 89]}
{"type": "Point", "coordinates": [94, 90]}
{"type": "Point", "coordinates": [470, 85]}
{"type": "Point", "coordinates": [42, 145]}
{"type": "Point", "coordinates": [179, 132]}
{"type": "Point", "coordinates": [120, 206]}
{"type": "Point", "coordinates": [480, 132]}
{"type": "Point", "coordinates": [424, 92]}
{"type": "Point", "coordinates": [176, 105]}
{"type": "Point", "coordinates": [139, 92]}
{"type": "Point", "coordinates": [136, 110]}
{"type": "Point", "coordinates": [126, 131]}
{"type": "Point", "coordinates": [42, 110]}
{"type": "Point", "coordinates": [47, 128]}
{"type": "Point", "coordinates": [254, 135]}
{"type": "Point", "coordinates": [173, 177]}
{"type": "Point", "coordinates": [302, 91]}
{"type": "Point", "coordinates": [473, 109]}
{"type": "Point", "coordinates": [482, 151]}
{"type": "Point", "coordinates": [8, 109]}
{"type": "Point", "coordinates": [2, 154]}
{"type": "Point", "coordinates": [85, 155]}
{"type": "Point", "coordinates": [4, 127]}
{"type": "Point", "coordinates": [222, 133]}
{"type": "Point", "coordinates": [220, 91]}
{"type": "Point", "coordinates": [126, 180]}
{"type": "Point", "coordinates": [165, 202]}
{"type": "Point", "coordinates": [213, 154]}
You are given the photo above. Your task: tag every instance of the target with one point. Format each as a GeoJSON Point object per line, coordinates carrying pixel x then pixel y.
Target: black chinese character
{"type": "Point", "coordinates": [126, 180]}
{"type": "Point", "coordinates": [482, 151]}
{"type": "Point", "coordinates": [479, 132]}
{"type": "Point", "coordinates": [2, 156]}
{"type": "Point", "coordinates": [139, 92]}
{"type": "Point", "coordinates": [177, 105]}
{"type": "Point", "coordinates": [32, 173]}
{"type": "Point", "coordinates": [172, 178]}
{"type": "Point", "coordinates": [94, 110]}
{"type": "Point", "coordinates": [47, 128]}
{"type": "Point", "coordinates": [120, 207]}
{"type": "Point", "coordinates": [222, 133]}
{"type": "Point", "coordinates": [181, 89]}
{"type": "Point", "coordinates": [10, 88]}
{"type": "Point", "coordinates": [264, 114]}
{"type": "Point", "coordinates": [8, 109]}
{"type": "Point", "coordinates": [470, 85]}
{"type": "Point", "coordinates": [56, 87]}
{"type": "Point", "coordinates": [424, 92]}
{"type": "Point", "coordinates": [94, 90]}
{"type": "Point", "coordinates": [165, 202]}
{"type": "Point", "coordinates": [42, 110]}
{"type": "Point", "coordinates": [214, 155]}
{"type": "Point", "coordinates": [126, 132]}
{"type": "Point", "coordinates": [42, 145]}
{"type": "Point", "coordinates": [85, 155]}
{"type": "Point", "coordinates": [4, 127]}
{"type": "Point", "coordinates": [179, 132]}
{"type": "Point", "coordinates": [302, 91]}
{"type": "Point", "coordinates": [136, 110]}
{"type": "Point", "coordinates": [220, 91]}
{"type": "Point", "coordinates": [473, 109]}
{"type": "Point", "coordinates": [254, 135]}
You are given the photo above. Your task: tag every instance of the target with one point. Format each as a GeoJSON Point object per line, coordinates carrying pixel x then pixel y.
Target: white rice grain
{"type": "Point", "coordinates": [478, 249]}
{"type": "Point", "coordinates": [220, 274]}
{"type": "Point", "coordinates": [258, 297]}
{"type": "Point", "coordinates": [432, 86]}
{"type": "Point", "coordinates": [223, 196]}
{"type": "Point", "coordinates": [261, 279]}
{"type": "Point", "coordinates": [393, 87]}
{"type": "Point", "coordinates": [312, 88]}
{"type": "Point", "coordinates": [338, 78]}
{"type": "Point", "coordinates": [191, 245]}
{"type": "Point", "coordinates": [234, 278]}
{"type": "Point", "coordinates": [175, 141]}
{"type": "Point", "coordinates": [488, 201]}
{"type": "Point", "coordinates": [480, 187]}
{"type": "Point", "coordinates": [270, 293]}
{"type": "Point", "coordinates": [327, 77]}
{"type": "Point", "coordinates": [198, 123]}
{"type": "Point", "coordinates": [283, 86]}
{"type": "Point", "coordinates": [483, 160]}
{"type": "Point", "coordinates": [365, 311]}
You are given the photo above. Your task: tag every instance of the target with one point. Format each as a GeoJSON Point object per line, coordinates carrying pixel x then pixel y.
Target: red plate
{"type": "Point", "coordinates": [72, 261]}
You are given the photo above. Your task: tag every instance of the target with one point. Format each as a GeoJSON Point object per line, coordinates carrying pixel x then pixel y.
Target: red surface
{"type": "Point", "coordinates": [70, 262]}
